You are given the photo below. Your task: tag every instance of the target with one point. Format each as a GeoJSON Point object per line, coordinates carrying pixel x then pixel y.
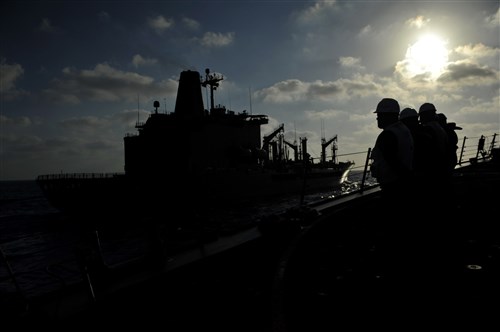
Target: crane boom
{"type": "Point", "coordinates": [324, 145]}
{"type": "Point", "coordinates": [269, 137]}
{"type": "Point", "coordinates": [295, 149]}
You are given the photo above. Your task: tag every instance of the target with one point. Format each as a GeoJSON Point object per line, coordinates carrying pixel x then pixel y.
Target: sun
{"type": "Point", "coordinates": [428, 56]}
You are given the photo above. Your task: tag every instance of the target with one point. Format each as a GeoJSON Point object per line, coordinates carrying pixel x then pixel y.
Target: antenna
{"type": "Point", "coordinates": [211, 80]}
{"type": "Point", "coordinates": [295, 133]}
{"type": "Point", "coordinates": [138, 108]}
{"type": "Point", "coordinates": [206, 98]}
{"type": "Point", "coordinates": [250, 97]}
{"type": "Point", "coordinates": [322, 129]}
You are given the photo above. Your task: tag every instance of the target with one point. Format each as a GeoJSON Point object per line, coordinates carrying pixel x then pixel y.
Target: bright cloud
{"type": "Point", "coordinates": [213, 39]}
{"type": "Point", "coordinates": [159, 24]}
{"type": "Point", "coordinates": [418, 22]}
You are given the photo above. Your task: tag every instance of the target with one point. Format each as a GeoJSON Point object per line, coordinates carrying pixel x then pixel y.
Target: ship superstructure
{"type": "Point", "coordinates": [193, 139]}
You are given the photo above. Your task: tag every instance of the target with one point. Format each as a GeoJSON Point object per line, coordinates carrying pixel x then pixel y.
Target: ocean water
{"type": "Point", "coordinates": [41, 245]}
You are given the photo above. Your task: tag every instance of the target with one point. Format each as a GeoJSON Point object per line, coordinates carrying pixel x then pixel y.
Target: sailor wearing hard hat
{"type": "Point", "coordinates": [392, 154]}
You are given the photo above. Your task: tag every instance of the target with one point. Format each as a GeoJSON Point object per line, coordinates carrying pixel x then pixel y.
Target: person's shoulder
{"type": "Point", "coordinates": [387, 135]}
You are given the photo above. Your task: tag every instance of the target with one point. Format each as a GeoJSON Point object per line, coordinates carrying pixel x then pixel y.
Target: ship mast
{"type": "Point", "coordinates": [211, 80]}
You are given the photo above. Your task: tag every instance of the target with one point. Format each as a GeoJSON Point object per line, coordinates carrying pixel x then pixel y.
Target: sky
{"type": "Point", "coordinates": [77, 75]}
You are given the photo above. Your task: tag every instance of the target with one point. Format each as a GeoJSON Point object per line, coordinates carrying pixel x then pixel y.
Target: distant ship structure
{"type": "Point", "coordinates": [192, 139]}
{"type": "Point", "coordinates": [213, 153]}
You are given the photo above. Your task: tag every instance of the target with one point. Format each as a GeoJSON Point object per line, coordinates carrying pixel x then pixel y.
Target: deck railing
{"type": "Point", "coordinates": [470, 150]}
{"type": "Point", "coordinates": [78, 176]}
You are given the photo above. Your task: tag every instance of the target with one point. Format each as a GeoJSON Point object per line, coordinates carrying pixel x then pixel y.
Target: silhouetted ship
{"type": "Point", "coordinates": [194, 155]}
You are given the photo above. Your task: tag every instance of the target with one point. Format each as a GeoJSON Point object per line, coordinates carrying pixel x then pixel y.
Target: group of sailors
{"type": "Point", "coordinates": [415, 153]}
{"type": "Point", "coordinates": [413, 160]}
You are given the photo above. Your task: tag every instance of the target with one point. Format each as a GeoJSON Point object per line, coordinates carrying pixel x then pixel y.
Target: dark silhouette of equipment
{"type": "Point", "coordinates": [266, 142]}
{"type": "Point", "coordinates": [480, 147]}
{"type": "Point", "coordinates": [212, 80]}
{"type": "Point", "coordinates": [324, 145]}
{"type": "Point", "coordinates": [295, 149]}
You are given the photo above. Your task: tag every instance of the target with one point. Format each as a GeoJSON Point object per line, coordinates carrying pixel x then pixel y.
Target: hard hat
{"type": "Point", "coordinates": [387, 105]}
{"type": "Point", "coordinates": [427, 107]}
{"type": "Point", "coordinates": [442, 116]}
{"type": "Point", "coordinates": [454, 126]}
{"type": "Point", "coordinates": [408, 113]}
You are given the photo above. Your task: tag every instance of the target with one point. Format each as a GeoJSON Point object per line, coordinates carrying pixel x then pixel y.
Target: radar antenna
{"type": "Point", "coordinates": [156, 104]}
{"type": "Point", "coordinates": [211, 80]}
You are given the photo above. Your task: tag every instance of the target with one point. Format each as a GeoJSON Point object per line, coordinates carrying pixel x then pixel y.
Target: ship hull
{"type": "Point", "coordinates": [265, 184]}
{"type": "Point", "coordinates": [120, 195]}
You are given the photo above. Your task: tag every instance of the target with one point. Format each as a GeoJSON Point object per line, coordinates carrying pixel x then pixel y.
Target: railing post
{"type": "Point", "coordinates": [462, 151]}
{"type": "Point", "coordinates": [365, 170]}
{"type": "Point", "coordinates": [480, 146]}
{"type": "Point", "coordinates": [492, 145]}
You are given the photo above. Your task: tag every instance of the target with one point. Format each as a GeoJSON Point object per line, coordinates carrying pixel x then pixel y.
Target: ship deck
{"type": "Point", "coordinates": [349, 268]}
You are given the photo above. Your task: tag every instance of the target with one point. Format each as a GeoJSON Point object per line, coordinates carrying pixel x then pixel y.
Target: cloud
{"type": "Point", "coordinates": [493, 20]}
{"type": "Point", "coordinates": [477, 51]}
{"type": "Point", "coordinates": [478, 116]}
{"type": "Point", "coordinates": [159, 24]}
{"type": "Point", "coordinates": [82, 144]}
{"type": "Point", "coordinates": [20, 121]}
{"type": "Point", "coordinates": [190, 23]}
{"type": "Point", "coordinates": [46, 26]}
{"type": "Point", "coordinates": [350, 62]}
{"type": "Point", "coordinates": [89, 124]}
{"type": "Point", "coordinates": [295, 90]}
{"type": "Point", "coordinates": [84, 122]}
{"type": "Point", "coordinates": [100, 145]}
{"type": "Point", "coordinates": [9, 74]}
{"type": "Point", "coordinates": [27, 156]}
{"type": "Point", "coordinates": [21, 144]}
{"type": "Point", "coordinates": [418, 22]}
{"type": "Point", "coordinates": [360, 86]}
{"type": "Point", "coordinates": [103, 16]}
{"type": "Point", "coordinates": [283, 92]}
{"type": "Point", "coordinates": [138, 60]}
{"type": "Point", "coordinates": [404, 71]}
{"type": "Point", "coordinates": [316, 13]}
{"type": "Point", "coordinates": [366, 30]}
{"type": "Point", "coordinates": [466, 73]}
{"type": "Point", "coordinates": [449, 85]}
{"type": "Point", "coordinates": [213, 39]}
{"type": "Point", "coordinates": [129, 117]}
{"type": "Point", "coordinates": [105, 83]}
{"type": "Point", "coordinates": [324, 90]}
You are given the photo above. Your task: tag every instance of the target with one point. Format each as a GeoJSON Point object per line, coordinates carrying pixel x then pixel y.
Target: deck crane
{"type": "Point", "coordinates": [267, 141]}
{"type": "Point", "coordinates": [324, 145]}
{"type": "Point", "coordinates": [295, 149]}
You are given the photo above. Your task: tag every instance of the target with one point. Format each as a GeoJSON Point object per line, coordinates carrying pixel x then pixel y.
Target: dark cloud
{"type": "Point", "coordinates": [9, 75]}
{"type": "Point", "coordinates": [465, 71]}
{"type": "Point", "coordinates": [105, 83]}
{"type": "Point", "coordinates": [20, 121]}
{"type": "Point", "coordinates": [99, 145]}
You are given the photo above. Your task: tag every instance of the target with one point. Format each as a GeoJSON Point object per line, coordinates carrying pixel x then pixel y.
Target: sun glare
{"type": "Point", "coordinates": [428, 55]}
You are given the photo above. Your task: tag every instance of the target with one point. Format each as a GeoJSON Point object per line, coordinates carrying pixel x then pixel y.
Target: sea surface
{"type": "Point", "coordinates": [41, 245]}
